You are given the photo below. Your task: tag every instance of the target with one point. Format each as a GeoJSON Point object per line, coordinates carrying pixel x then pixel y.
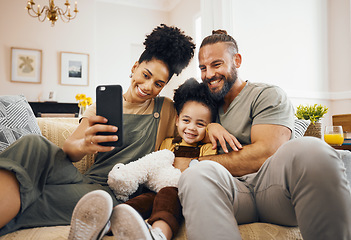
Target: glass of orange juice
{"type": "Point", "coordinates": [333, 135]}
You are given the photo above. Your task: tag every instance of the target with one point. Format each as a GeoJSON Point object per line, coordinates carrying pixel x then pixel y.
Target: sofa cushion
{"type": "Point", "coordinates": [248, 232]}
{"type": "Point", "coordinates": [300, 127]}
{"type": "Point", "coordinates": [57, 130]}
{"type": "Point", "coordinates": [16, 120]}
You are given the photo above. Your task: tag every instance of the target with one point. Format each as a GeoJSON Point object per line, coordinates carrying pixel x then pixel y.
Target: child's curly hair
{"type": "Point", "coordinates": [170, 45]}
{"type": "Point", "coordinates": [192, 90]}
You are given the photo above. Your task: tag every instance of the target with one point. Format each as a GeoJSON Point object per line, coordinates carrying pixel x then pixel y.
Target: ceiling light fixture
{"type": "Point", "coordinates": [51, 12]}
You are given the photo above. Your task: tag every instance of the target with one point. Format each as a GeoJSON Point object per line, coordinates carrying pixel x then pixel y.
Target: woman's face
{"type": "Point", "coordinates": [148, 79]}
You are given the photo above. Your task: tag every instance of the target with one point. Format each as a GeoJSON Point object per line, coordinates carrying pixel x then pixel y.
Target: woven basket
{"type": "Point", "coordinates": [314, 130]}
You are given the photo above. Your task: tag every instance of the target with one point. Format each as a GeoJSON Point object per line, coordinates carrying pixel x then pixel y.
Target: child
{"type": "Point", "coordinates": [195, 109]}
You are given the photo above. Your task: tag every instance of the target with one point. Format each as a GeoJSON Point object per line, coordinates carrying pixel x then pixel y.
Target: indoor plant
{"type": "Point", "coordinates": [83, 103]}
{"type": "Point", "coordinates": [313, 113]}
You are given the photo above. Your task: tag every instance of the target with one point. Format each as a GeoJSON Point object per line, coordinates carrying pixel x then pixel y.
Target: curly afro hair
{"type": "Point", "coordinates": [192, 90]}
{"type": "Point", "coordinates": [170, 45]}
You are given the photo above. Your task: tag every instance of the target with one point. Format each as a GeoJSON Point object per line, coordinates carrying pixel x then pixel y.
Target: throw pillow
{"type": "Point", "coordinates": [300, 127]}
{"type": "Point", "coordinates": [16, 120]}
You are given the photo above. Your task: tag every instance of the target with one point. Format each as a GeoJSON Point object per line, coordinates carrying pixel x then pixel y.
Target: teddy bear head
{"type": "Point", "coordinates": [124, 180]}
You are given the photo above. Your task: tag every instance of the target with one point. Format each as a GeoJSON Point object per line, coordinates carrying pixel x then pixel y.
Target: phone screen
{"type": "Point", "coordinates": [109, 104]}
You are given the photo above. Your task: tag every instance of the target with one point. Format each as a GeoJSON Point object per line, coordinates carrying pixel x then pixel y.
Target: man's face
{"type": "Point", "coordinates": [218, 70]}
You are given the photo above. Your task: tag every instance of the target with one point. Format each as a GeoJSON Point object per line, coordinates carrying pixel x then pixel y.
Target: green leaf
{"type": "Point", "coordinates": [313, 113]}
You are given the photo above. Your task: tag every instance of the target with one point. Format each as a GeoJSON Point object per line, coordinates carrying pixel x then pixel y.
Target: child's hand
{"type": "Point", "coordinates": [216, 133]}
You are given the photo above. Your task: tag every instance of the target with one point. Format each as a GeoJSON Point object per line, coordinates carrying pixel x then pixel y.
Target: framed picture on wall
{"type": "Point", "coordinates": [26, 65]}
{"type": "Point", "coordinates": [74, 69]}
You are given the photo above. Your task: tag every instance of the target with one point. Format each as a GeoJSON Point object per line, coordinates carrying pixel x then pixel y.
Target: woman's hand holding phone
{"type": "Point", "coordinates": [93, 140]}
{"type": "Point", "coordinates": [109, 104]}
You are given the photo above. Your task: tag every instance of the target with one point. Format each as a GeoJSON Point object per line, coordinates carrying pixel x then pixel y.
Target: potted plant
{"type": "Point", "coordinates": [313, 113]}
{"type": "Point", "coordinates": [83, 103]}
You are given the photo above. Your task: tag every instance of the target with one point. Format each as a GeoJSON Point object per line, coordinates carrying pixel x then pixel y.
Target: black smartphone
{"type": "Point", "coordinates": [109, 104]}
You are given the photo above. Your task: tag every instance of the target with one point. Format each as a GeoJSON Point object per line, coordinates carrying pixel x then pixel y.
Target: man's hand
{"type": "Point", "coordinates": [181, 163]}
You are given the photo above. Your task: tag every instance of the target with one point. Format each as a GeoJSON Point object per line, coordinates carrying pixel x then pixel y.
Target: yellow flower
{"type": "Point", "coordinates": [89, 101]}
{"type": "Point", "coordinates": [83, 100]}
{"type": "Point", "coordinates": [83, 103]}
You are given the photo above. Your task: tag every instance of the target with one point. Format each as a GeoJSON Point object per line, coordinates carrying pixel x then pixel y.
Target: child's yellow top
{"type": "Point", "coordinates": [205, 149]}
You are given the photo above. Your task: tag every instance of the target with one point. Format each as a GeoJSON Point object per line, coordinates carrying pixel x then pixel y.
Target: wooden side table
{"type": "Point", "coordinates": [345, 146]}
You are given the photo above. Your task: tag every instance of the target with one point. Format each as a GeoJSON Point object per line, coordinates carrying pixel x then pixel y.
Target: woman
{"type": "Point", "coordinates": [39, 186]}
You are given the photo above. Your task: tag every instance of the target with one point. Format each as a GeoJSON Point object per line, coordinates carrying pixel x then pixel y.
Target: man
{"type": "Point", "coordinates": [271, 178]}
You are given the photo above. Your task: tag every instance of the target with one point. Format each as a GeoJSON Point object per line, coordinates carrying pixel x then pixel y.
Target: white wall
{"type": "Point", "coordinates": [112, 34]}
{"type": "Point", "coordinates": [286, 43]}
{"type": "Point", "coordinates": [120, 33]}
{"type": "Point", "coordinates": [120, 45]}
{"type": "Point", "coordinates": [340, 55]}
{"type": "Point", "coordinates": [18, 29]}
{"type": "Point", "coordinates": [183, 16]}
{"type": "Point", "coordinates": [108, 32]}
{"type": "Point", "coordinates": [302, 46]}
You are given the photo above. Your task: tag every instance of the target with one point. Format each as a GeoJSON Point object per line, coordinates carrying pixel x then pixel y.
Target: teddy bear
{"type": "Point", "coordinates": [155, 171]}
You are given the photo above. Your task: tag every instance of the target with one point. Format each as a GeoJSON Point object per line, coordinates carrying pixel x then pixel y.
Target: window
{"type": "Point", "coordinates": [198, 40]}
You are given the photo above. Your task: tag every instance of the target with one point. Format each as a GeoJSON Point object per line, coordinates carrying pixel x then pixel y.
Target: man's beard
{"type": "Point", "coordinates": [228, 84]}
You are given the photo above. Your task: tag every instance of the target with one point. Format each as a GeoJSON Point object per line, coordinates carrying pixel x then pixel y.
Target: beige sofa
{"type": "Point", "coordinates": [58, 129]}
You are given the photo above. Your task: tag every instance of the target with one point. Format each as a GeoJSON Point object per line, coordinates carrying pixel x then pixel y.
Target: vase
{"type": "Point", "coordinates": [314, 130]}
{"type": "Point", "coordinates": [81, 111]}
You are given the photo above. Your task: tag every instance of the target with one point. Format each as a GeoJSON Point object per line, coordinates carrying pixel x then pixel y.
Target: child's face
{"type": "Point", "coordinates": [192, 121]}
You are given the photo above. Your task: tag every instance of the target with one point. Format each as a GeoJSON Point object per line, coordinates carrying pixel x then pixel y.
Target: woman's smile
{"type": "Point", "coordinates": [148, 79]}
{"type": "Point", "coordinates": [141, 92]}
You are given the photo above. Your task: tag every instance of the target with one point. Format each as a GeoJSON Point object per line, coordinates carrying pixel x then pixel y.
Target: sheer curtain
{"type": "Point", "coordinates": [216, 14]}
